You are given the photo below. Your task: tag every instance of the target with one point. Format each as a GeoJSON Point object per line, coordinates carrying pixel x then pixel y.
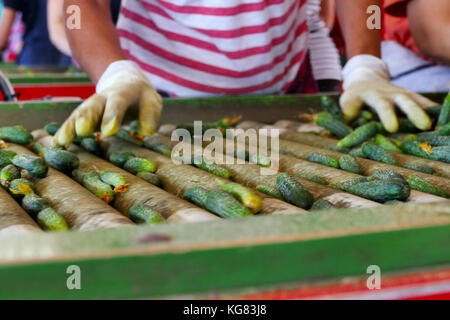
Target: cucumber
{"type": "Point", "coordinates": [225, 205]}
{"type": "Point", "coordinates": [52, 128]}
{"type": "Point", "coordinates": [419, 184]}
{"type": "Point", "coordinates": [440, 154]}
{"type": "Point", "coordinates": [270, 191]}
{"type": "Point", "coordinates": [379, 190]}
{"type": "Point", "coordinates": [377, 153]}
{"type": "Point", "coordinates": [323, 159]}
{"type": "Point", "coordinates": [444, 116]}
{"type": "Point", "coordinates": [150, 177]}
{"type": "Point", "coordinates": [313, 178]}
{"type": "Point", "coordinates": [34, 165]}
{"type": "Point", "coordinates": [260, 160]}
{"type": "Point", "coordinates": [413, 148]}
{"type": "Point", "coordinates": [211, 168]}
{"type": "Point", "coordinates": [114, 179]}
{"type": "Point", "coordinates": [445, 130]}
{"type": "Point", "coordinates": [96, 186]}
{"type": "Point", "coordinates": [248, 198]}
{"type": "Point", "coordinates": [33, 204]}
{"type": "Point", "coordinates": [78, 175]}
{"type": "Point", "coordinates": [50, 220]}
{"type": "Point", "coordinates": [196, 196]}
{"type": "Point", "coordinates": [336, 127]}
{"type": "Point", "coordinates": [91, 145]}
{"type": "Point", "coordinates": [349, 184]}
{"type": "Point", "coordinates": [350, 164]}
{"type": "Point", "coordinates": [134, 127]}
{"type": "Point", "coordinates": [61, 160]}
{"type": "Point", "coordinates": [358, 152]}
{"type": "Point", "coordinates": [79, 139]}
{"type": "Point", "coordinates": [360, 121]}
{"type": "Point", "coordinates": [419, 167]}
{"type": "Point", "coordinates": [126, 136]}
{"type": "Point", "coordinates": [22, 187]}
{"type": "Point", "coordinates": [293, 192]}
{"type": "Point", "coordinates": [434, 111]}
{"type": "Point", "coordinates": [337, 149]}
{"type": "Point", "coordinates": [17, 134]}
{"type": "Point", "coordinates": [142, 214]}
{"type": "Point", "coordinates": [162, 149]}
{"type": "Point", "coordinates": [387, 175]}
{"type": "Point", "coordinates": [136, 165]}
{"type": "Point", "coordinates": [37, 148]}
{"type": "Point", "coordinates": [119, 159]}
{"type": "Point", "coordinates": [331, 107]}
{"type": "Point", "coordinates": [434, 140]}
{"type": "Point", "coordinates": [386, 144]}
{"type": "Point", "coordinates": [360, 135]}
{"type": "Point", "coordinates": [8, 174]}
{"type": "Point", "coordinates": [6, 157]}
{"type": "Point", "coordinates": [322, 205]}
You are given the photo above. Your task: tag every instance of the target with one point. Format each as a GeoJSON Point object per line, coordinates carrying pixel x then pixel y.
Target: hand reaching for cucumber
{"type": "Point", "coordinates": [367, 81]}
{"type": "Point", "coordinates": [123, 85]}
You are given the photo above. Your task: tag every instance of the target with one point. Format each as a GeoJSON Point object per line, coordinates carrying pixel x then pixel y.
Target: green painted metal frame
{"type": "Point", "coordinates": [173, 259]}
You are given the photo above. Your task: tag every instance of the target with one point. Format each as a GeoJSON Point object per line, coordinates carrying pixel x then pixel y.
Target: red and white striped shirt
{"type": "Point", "coordinates": [192, 48]}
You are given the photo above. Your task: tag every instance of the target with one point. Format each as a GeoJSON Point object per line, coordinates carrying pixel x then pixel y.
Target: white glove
{"type": "Point", "coordinates": [122, 85]}
{"type": "Point", "coordinates": [367, 80]}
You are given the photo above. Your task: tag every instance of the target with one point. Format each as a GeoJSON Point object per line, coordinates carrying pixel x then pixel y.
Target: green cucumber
{"type": "Point", "coordinates": [331, 107]}
{"type": "Point", "coordinates": [91, 145]}
{"type": "Point", "coordinates": [413, 148]}
{"type": "Point", "coordinates": [114, 179]}
{"type": "Point", "coordinates": [225, 205]}
{"type": "Point", "coordinates": [337, 149]}
{"type": "Point", "coordinates": [136, 165]}
{"type": "Point", "coordinates": [313, 178]}
{"type": "Point", "coordinates": [349, 184]}
{"type": "Point", "coordinates": [293, 192]}
{"type": "Point", "coordinates": [22, 187]}
{"type": "Point", "coordinates": [150, 177]}
{"type": "Point", "coordinates": [377, 153]}
{"type": "Point", "coordinates": [79, 139]}
{"type": "Point", "coordinates": [393, 176]}
{"type": "Point", "coordinates": [419, 167]}
{"type": "Point", "coordinates": [323, 159]}
{"type": "Point", "coordinates": [444, 116]}
{"type": "Point", "coordinates": [349, 163]}
{"type": "Point", "coordinates": [440, 154]}
{"type": "Point", "coordinates": [211, 168]}
{"type": "Point", "coordinates": [61, 160]}
{"type": "Point", "coordinates": [119, 159]}
{"type": "Point", "coordinates": [6, 157]}
{"type": "Point", "coordinates": [196, 196]}
{"type": "Point", "coordinates": [260, 160]}
{"type": "Point", "coordinates": [379, 190]}
{"type": "Point", "coordinates": [322, 205]}
{"type": "Point", "coordinates": [434, 111]}
{"type": "Point", "coordinates": [360, 135]}
{"type": "Point", "coordinates": [17, 134]}
{"type": "Point", "coordinates": [96, 186]}
{"type": "Point", "coordinates": [434, 140]}
{"type": "Point", "coordinates": [248, 198]}
{"type": "Point", "coordinates": [52, 128]}
{"type": "Point", "coordinates": [386, 144]}
{"type": "Point", "coordinates": [9, 173]}
{"type": "Point", "coordinates": [33, 204]}
{"type": "Point", "coordinates": [34, 165]}
{"type": "Point", "coordinates": [78, 175]}
{"type": "Point", "coordinates": [162, 149]}
{"type": "Point", "coordinates": [445, 130]}
{"type": "Point", "coordinates": [270, 191]}
{"type": "Point", "coordinates": [336, 127]}
{"type": "Point", "coordinates": [358, 152]}
{"type": "Point", "coordinates": [50, 220]}
{"type": "Point", "coordinates": [126, 136]}
{"type": "Point", "coordinates": [420, 184]}
{"type": "Point", "coordinates": [142, 214]}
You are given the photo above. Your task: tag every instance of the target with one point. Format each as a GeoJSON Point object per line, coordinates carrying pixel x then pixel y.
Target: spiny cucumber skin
{"type": "Point", "coordinates": [61, 160]}
{"type": "Point", "coordinates": [293, 192]}
{"type": "Point", "coordinates": [119, 159]}
{"type": "Point", "coordinates": [50, 220]}
{"type": "Point", "coordinates": [435, 140]}
{"type": "Point", "coordinates": [379, 190]}
{"type": "Point", "coordinates": [136, 165]}
{"type": "Point", "coordinates": [142, 214]}
{"type": "Point", "coordinates": [313, 178]}
{"type": "Point", "coordinates": [247, 197]}
{"type": "Point", "coordinates": [150, 177]}
{"type": "Point", "coordinates": [52, 128]}
{"type": "Point", "coordinates": [211, 168]}
{"type": "Point", "coordinates": [95, 185]}
{"type": "Point", "coordinates": [444, 116]}
{"type": "Point", "coordinates": [350, 164]}
{"type": "Point", "coordinates": [419, 167]}
{"type": "Point", "coordinates": [91, 145]}
{"type": "Point", "coordinates": [17, 134]}
{"type": "Point", "coordinates": [393, 176]}
{"type": "Point", "coordinates": [360, 135]}
{"type": "Point", "coordinates": [260, 160]}
{"type": "Point", "coordinates": [386, 143]}
{"type": "Point", "coordinates": [322, 205]}
{"type": "Point", "coordinates": [336, 127]}
{"type": "Point", "coordinates": [445, 130]}
{"type": "Point", "coordinates": [33, 204]}
{"type": "Point", "coordinates": [270, 191]}
{"type": "Point", "coordinates": [331, 107]}
{"type": "Point", "coordinates": [225, 205]}
{"type": "Point", "coordinates": [346, 185]}
{"type": "Point", "coordinates": [6, 157]}
{"type": "Point", "coordinates": [440, 154]}
{"type": "Point", "coordinates": [34, 165]}
{"type": "Point", "coordinates": [420, 184]}
{"type": "Point", "coordinates": [323, 159]}
{"type": "Point", "coordinates": [412, 148]}
{"type": "Point", "coordinates": [9, 173]}
{"type": "Point", "coordinates": [196, 196]}
{"type": "Point", "coordinates": [377, 153]}
{"type": "Point", "coordinates": [357, 152]}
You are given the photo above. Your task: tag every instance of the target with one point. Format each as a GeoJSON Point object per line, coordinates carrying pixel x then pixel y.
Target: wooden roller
{"type": "Point", "coordinates": [82, 210]}
{"type": "Point", "coordinates": [13, 219]}
{"type": "Point", "coordinates": [140, 191]}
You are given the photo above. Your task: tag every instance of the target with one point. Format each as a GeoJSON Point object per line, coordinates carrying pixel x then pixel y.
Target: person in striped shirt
{"type": "Point", "coordinates": [199, 48]}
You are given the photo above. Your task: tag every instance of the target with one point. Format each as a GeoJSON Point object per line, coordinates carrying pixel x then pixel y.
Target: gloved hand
{"type": "Point", "coordinates": [121, 86]}
{"type": "Point", "coordinates": [367, 80]}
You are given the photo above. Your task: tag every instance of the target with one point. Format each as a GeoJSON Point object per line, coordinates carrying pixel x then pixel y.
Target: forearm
{"type": "Point", "coordinates": [96, 44]}
{"type": "Point", "coordinates": [56, 26]}
{"type": "Point", "coordinates": [430, 28]}
{"type": "Point", "coordinates": [359, 39]}
{"type": "Point", "coordinates": [7, 20]}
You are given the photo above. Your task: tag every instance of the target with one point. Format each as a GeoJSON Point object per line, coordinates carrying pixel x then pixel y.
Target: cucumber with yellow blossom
{"type": "Point", "coordinates": [248, 198]}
